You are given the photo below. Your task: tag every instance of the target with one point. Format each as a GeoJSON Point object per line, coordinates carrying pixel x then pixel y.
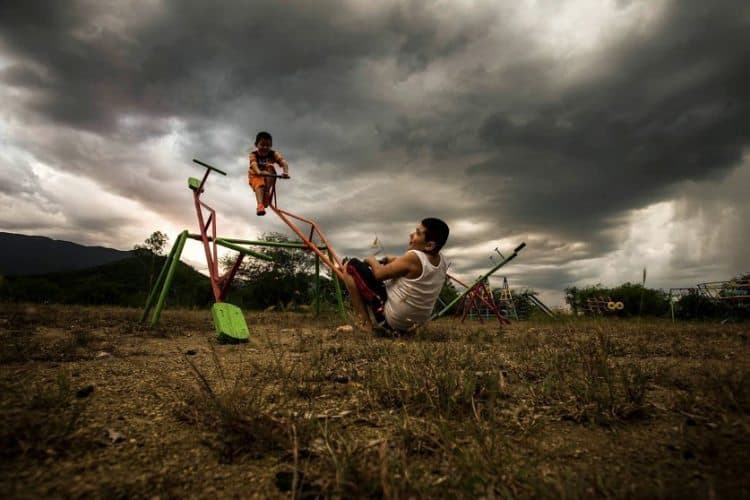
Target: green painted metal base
{"type": "Point", "coordinates": [230, 323]}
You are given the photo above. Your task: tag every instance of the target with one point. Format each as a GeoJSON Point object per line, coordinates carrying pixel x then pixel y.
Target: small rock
{"type": "Point", "coordinates": [103, 354]}
{"type": "Point", "coordinates": [114, 436]}
{"type": "Point", "coordinates": [345, 329]}
{"type": "Point", "coordinates": [84, 392]}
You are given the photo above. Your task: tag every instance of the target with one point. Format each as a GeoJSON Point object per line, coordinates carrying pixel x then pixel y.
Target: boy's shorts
{"type": "Point", "coordinates": [257, 181]}
{"type": "Point", "coordinates": [372, 291]}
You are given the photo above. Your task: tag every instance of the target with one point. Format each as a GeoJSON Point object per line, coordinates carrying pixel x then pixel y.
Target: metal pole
{"type": "Point", "coordinates": [339, 297]}
{"type": "Point", "coordinates": [480, 280]}
{"type": "Point", "coordinates": [167, 261]}
{"type": "Point", "coordinates": [317, 286]}
{"type": "Point", "coordinates": [242, 250]}
{"type": "Point", "coordinates": [168, 280]}
{"type": "Point", "coordinates": [282, 244]}
{"type": "Point", "coordinates": [671, 305]}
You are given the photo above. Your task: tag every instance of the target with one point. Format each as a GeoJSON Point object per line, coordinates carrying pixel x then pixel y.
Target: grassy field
{"type": "Point", "coordinates": [94, 404]}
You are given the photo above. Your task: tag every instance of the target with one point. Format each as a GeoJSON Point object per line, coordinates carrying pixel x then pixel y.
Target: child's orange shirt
{"type": "Point", "coordinates": [264, 164]}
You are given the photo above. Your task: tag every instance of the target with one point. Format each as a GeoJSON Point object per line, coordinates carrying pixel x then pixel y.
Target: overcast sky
{"type": "Point", "coordinates": [608, 135]}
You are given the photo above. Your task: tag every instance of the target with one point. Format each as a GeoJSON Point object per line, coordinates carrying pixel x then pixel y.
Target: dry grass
{"type": "Point", "coordinates": [566, 409]}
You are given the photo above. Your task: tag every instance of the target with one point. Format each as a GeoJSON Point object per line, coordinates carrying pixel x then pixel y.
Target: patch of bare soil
{"type": "Point", "coordinates": [94, 404]}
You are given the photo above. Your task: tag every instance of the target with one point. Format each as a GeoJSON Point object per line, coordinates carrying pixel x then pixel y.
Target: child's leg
{"type": "Point", "coordinates": [257, 186]}
{"type": "Point", "coordinates": [259, 194]}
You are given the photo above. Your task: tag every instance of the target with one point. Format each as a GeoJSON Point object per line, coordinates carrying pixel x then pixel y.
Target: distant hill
{"type": "Point", "coordinates": [125, 282]}
{"type": "Point", "coordinates": [30, 255]}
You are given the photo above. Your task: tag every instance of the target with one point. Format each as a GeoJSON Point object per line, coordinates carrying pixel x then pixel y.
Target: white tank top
{"type": "Point", "coordinates": [410, 301]}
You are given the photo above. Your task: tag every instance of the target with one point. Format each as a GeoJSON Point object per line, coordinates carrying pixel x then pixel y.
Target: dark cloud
{"type": "Point", "coordinates": [388, 112]}
{"type": "Point", "coordinates": [671, 107]}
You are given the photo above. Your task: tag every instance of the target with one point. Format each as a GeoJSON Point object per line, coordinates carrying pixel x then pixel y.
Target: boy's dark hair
{"type": "Point", "coordinates": [261, 136]}
{"type": "Point", "coordinates": [436, 232]}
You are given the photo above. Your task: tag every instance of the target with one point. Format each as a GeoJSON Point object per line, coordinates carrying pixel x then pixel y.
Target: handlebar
{"type": "Point", "coordinates": [276, 176]}
{"type": "Point", "coordinates": [209, 167]}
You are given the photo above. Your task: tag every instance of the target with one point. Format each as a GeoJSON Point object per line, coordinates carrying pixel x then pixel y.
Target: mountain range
{"type": "Point", "coordinates": [22, 255]}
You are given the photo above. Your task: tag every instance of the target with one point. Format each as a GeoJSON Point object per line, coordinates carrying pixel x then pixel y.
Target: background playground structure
{"type": "Point", "coordinates": [479, 300]}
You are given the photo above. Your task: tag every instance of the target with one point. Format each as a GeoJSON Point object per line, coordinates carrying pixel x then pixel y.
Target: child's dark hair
{"type": "Point", "coordinates": [436, 232]}
{"type": "Point", "coordinates": [261, 136]}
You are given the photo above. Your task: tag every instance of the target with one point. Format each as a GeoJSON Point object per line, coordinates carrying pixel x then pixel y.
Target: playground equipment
{"type": "Point", "coordinates": [539, 304]}
{"type": "Point", "coordinates": [505, 299]}
{"type": "Point", "coordinates": [734, 293]}
{"type": "Point", "coordinates": [600, 305]}
{"type": "Point", "coordinates": [476, 292]}
{"type": "Point", "coordinates": [728, 298]}
{"type": "Point", "coordinates": [228, 319]}
{"type": "Point", "coordinates": [478, 295]}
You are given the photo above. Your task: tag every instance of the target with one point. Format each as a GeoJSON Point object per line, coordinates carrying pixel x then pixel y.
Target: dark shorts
{"type": "Point", "coordinates": [372, 291]}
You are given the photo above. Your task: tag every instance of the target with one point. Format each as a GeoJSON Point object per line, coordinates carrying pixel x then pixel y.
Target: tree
{"type": "Point", "coordinates": [287, 279]}
{"type": "Point", "coordinates": [154, 244]}
{"type": "Point", "coordinates": [152, 247]}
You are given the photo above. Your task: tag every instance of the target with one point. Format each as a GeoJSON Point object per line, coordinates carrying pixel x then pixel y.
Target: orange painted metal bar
{"type": "Point", "coordinates": [334, 263]}
{"type": "Point", "coordinates": [212, 268]}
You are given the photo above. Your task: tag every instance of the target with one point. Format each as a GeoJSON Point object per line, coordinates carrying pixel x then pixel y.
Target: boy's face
{"type": "Point", "coordinates": [417, 240]}
{"type": "Point", "coordinates": [264, 146]}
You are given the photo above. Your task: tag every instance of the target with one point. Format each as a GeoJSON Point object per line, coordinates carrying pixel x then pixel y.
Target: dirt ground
{"type": "Point", "coordinates": [94, 404]}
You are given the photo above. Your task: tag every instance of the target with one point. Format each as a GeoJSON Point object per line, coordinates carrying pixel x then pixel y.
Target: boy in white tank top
{"type": "Point", "coordinates": [412, 282]}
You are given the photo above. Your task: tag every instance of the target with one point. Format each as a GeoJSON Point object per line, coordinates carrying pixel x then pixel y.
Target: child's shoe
{"type": "Point", "coordinates": [261, 210]}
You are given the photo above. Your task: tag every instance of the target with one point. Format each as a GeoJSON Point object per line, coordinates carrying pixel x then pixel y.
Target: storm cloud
{"type": "Point", "coordinates": [591, 130]}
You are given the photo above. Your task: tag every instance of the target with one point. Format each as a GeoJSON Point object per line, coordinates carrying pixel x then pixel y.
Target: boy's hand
{"type": "Point", "coordinates": [284, 175]}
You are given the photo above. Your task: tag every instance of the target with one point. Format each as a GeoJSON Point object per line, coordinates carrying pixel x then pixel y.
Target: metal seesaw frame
{"type": "Point", "coordinates": [219, 283]}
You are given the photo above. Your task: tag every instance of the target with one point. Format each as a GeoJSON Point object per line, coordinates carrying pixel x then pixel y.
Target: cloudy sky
{"type": "Point", "coordinates": [609, 135]}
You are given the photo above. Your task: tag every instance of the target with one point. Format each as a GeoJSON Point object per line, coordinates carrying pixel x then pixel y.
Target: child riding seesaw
{"type": "Point", "coordinates": [262, 172]}
{"type": "Point", "coordinates": [400, 291]}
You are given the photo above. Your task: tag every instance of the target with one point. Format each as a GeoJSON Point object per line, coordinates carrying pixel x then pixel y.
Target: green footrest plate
{"type": "Point", "coordinates": [230, 323]}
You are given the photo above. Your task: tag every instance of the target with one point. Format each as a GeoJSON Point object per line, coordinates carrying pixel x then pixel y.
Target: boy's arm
{"type": "Point", "coordinates": [281, 161]}
{"type": "Point", "coordinates": [253, 165]}
{"type": "Point", "coordinates": [407, 265]}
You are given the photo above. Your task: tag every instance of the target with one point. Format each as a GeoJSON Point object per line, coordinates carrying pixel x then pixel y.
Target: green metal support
{"type": "Point", "coordinates": [162, 274]}
{"type": "Point", "coordinates": [279, 244]}
{"type": "Point", "coordinates": [246, 251]}
{"type": "Point", "coordinates": [180, 243]}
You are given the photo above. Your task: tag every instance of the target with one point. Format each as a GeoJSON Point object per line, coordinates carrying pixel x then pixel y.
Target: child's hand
{"type": "Point", "coordinates": [285, 176]}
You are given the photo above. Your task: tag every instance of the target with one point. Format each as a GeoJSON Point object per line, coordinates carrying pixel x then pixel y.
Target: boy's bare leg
{"type": "Point", "coordinates": [259, 194]}
{"type": "Point", "coordinates": [358, 304]}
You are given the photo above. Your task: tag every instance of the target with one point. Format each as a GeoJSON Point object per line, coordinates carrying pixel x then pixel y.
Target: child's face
{"type": "Point", "coordinates": [264, 146]}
